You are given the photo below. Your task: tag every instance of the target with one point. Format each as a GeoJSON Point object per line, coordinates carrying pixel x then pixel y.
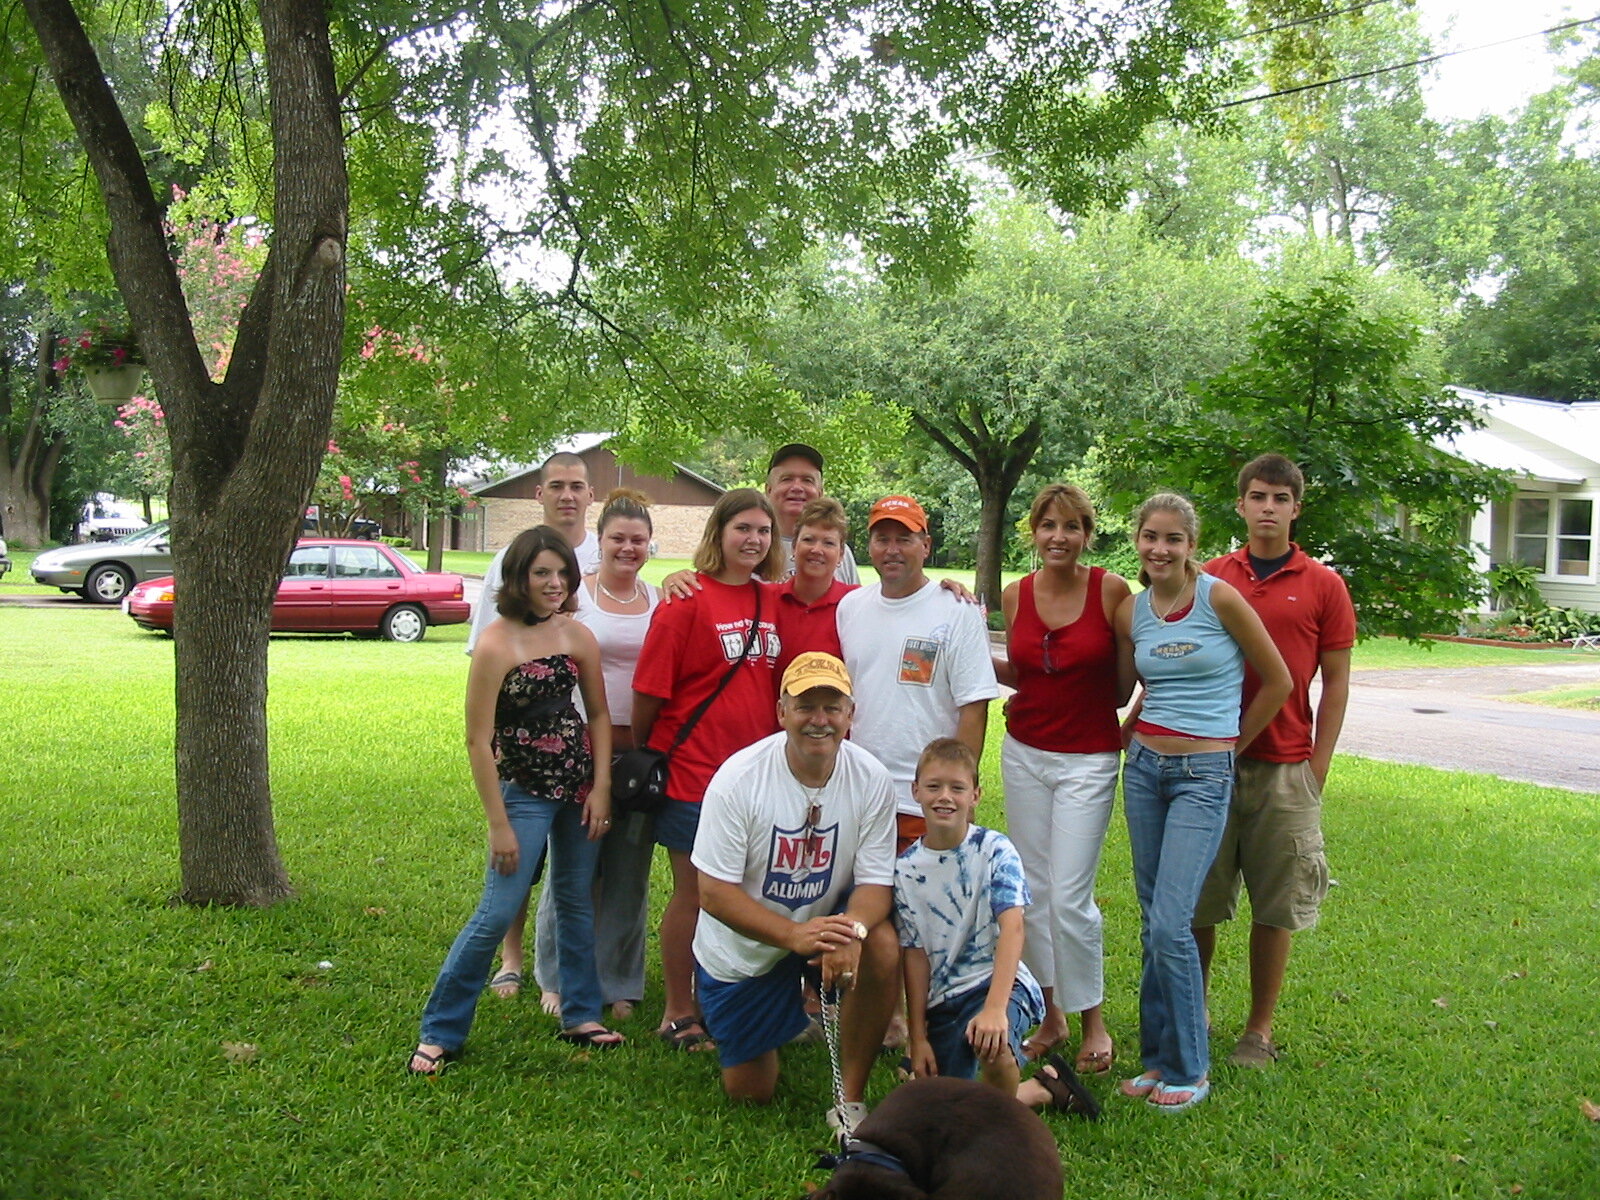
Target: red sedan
{"type": "Point", "coordinates": [338, 585]}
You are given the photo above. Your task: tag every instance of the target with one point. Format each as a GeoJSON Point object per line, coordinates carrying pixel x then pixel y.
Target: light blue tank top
{"type": "Point", "coordinates": [1193, 670]}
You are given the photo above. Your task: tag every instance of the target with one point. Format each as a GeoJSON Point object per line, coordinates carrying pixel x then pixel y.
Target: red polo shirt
{"type": "Point", "coordinates": [1307, 611]}
{"type": "Point", "coordinates": [803, 627]}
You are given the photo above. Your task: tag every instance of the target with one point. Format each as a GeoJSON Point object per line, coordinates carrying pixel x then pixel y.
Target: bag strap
{"type": "Point", "coordinates": [693, 718]}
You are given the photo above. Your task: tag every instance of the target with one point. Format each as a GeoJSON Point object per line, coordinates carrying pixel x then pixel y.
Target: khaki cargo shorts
{"type": "Point", "coordinates": [1273, 844]}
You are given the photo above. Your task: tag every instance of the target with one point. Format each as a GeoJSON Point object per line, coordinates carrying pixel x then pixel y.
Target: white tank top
{"type": "Point", "coordinates": [621, 638]}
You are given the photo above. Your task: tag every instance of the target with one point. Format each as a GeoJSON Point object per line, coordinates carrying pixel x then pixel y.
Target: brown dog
{"type": "Point", "coordinates": [949, 1139]}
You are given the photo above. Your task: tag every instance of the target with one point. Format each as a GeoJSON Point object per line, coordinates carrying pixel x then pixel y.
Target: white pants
{"type": "Point", "coordinates": [1057, 810]}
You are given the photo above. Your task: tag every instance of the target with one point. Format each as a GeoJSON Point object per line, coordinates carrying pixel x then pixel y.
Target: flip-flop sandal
{"type": "Point", "coordinates": [506, 979]}
{"type": "Point", "coordinates": [1095, 1063]}
{"type": "Point", "coordinates": [1139, 1087]}
{"type": "Point", "coordinates": [1197, 1093]}
{"type": "Point", "coordinates": [598, 1039]}
{"type": "Point", "coordinates": [686, 1034]}
{"type": "Point", "coordinates": [1067, 1092]}
{"type": "Point", "coordinates": [1035, 1048]}
{"type": "Point", "coordinates": [436, 1062]}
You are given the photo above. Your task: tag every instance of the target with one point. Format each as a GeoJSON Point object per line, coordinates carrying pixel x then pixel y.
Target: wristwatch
{"type": "Point", "coordinates": [860, 930]}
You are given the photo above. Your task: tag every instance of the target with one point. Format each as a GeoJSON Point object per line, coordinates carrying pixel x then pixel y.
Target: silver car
{"type": "Point", "coordinates": [104, 572]}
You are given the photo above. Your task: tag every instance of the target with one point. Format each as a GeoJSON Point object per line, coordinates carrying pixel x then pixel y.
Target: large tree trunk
{"type": "Point", "coordinates": [28, 464]}
{"type": "Point", "coordinates": [245, 451]}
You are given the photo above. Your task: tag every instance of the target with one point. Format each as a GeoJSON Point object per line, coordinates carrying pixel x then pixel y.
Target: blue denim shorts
{"type": "Point", "coordinates": [947, 1028]}
{"type": "Point", "coordinates": [748, 1017]}
{"type": "Point", "coordinates": [676, 824]}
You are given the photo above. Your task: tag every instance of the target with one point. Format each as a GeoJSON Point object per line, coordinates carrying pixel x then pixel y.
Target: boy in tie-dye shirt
{"type": "Point", "coordinates": [959, 893]}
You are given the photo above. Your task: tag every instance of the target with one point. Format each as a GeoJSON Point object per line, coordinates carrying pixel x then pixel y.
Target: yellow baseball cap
{"type": "Point", "coordinates": [815, 669]}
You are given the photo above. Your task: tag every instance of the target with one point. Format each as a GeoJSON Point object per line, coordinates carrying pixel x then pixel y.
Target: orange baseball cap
{"type": "Point", "coordinates": [899, 508]}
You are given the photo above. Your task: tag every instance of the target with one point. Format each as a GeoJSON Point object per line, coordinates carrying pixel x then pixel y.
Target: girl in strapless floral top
{"type": "Point", "coordinates": [543, 775]}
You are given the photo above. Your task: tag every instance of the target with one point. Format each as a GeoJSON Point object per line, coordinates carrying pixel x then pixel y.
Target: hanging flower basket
{"type": "Point", "coordinates": [114, 385]}
{"type": "Point", "coordinates": [108, 355]}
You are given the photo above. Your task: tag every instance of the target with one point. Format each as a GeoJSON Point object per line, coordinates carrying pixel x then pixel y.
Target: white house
{"type": "Point", "coordinates": [1553, 521]}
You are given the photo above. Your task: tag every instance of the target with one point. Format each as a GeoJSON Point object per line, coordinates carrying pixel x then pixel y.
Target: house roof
{"type": "Point", "coordinates": [1550, 440]}
{"type": "Point", "coordinates": [479, 475]}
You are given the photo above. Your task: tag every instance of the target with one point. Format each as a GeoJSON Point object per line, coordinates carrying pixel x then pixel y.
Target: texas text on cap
{"type": "Point", "coordinates": [899, 508]}
{"type": "Point", "coordinates": [815, 669]}
{"type": "Point", "coordinates": [796, 450]}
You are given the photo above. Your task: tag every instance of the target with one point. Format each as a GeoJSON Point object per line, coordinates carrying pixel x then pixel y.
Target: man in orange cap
{"type": "Point", "coordinates": [919, 655]}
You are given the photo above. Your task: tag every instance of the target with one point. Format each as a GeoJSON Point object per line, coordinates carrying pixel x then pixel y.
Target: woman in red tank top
{"type": "Point", "coordinates": [1059, 762]}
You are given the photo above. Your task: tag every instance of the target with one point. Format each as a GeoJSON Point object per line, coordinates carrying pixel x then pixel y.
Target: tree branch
{"type": "Point", "coordinates": [967, 461]}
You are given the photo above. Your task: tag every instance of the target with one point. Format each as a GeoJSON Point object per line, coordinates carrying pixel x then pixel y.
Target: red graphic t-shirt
{"type": "Point", "coordinates": [690, 646]}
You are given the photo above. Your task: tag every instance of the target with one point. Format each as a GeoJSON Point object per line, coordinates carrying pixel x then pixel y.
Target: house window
{"type": "Point", "coordinates": [1555, 535]}
{"type": "Point", "coordinates": [1575, 537]}
{"type": "Point", "coordinates": [1532, 533]}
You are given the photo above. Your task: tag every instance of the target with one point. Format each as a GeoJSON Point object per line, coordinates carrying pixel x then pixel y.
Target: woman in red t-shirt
{"type": "Point", "coordinates": [691, 646]}
{"type": "Point", "coordinates": [1059, 762]}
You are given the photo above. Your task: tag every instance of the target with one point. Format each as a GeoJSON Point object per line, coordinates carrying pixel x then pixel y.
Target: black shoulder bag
{"type": "Point", "coordinates": [639, 776]}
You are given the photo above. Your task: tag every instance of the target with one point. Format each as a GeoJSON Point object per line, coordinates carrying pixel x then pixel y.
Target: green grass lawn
{"type": "Point", "coordinates": [1580, 696]}
{"type": "Point", "coordinates": [1390, 652]}
{"type": "Point", "coordinates": [1440, 1025]}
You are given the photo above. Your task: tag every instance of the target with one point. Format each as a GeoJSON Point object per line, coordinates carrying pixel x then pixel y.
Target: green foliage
{"type": "Point", "coordinates": [1516, 585]}
{"type": "Point", "coordinates": [1563, 624]}
{"type": "Point", "coordinates": [1333, 381]}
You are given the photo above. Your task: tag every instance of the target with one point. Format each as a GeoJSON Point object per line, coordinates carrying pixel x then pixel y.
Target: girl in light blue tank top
{"type": "Point", "coordinates": [1190, 655]}
{"type": "Point", "coordinates": [1193, 670]}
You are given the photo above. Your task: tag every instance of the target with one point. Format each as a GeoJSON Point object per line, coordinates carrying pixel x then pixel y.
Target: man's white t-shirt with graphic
{"type": "Point", "coordinates": [947, 903]}
{"type": "Point", "coordinates": [914, 662]}
{"type": "Point", "coordinates": [758, 830]}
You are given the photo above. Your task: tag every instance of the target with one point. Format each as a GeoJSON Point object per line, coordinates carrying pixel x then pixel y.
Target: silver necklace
{"type": "Point", "coordinates": [633, 599]}
{"type": "Point", "coordinates": [1171, 608]}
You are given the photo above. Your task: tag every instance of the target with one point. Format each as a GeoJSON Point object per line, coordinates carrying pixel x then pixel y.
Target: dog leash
{"type": "Point", "coordinates": [829, 998]}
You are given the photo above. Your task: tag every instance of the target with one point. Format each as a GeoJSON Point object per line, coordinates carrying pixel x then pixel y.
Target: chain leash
{"type": "Point", "coordinates": [829, 998]}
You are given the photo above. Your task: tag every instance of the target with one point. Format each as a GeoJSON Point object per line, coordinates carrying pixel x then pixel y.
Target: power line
{"type": "Point", "coordinates": [1311, 20]}
{"type": "Point", "coordinates": [1416, 62]}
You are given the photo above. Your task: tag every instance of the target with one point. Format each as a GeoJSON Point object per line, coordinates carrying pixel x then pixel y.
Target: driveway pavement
{"type": "Point", "coordinates": [1456, 719]}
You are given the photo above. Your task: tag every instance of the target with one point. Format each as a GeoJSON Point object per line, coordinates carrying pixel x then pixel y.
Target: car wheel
{"type": "Point", "coordinates": [107, 584]}
{"type": "Point", "coordinates": [404, 623]}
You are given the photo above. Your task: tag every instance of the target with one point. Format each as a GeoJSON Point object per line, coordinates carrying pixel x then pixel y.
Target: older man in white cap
{"type": "Point", "coordinates": [796, 858]}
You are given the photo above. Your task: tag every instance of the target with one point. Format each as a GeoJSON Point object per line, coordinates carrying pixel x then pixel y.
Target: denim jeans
{"type": "Point", "coordinates": [570, 874]}
{"type": "Point", "coordinates": [1177, 806]}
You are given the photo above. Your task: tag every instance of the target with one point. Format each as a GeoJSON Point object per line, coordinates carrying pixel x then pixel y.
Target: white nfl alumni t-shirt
{"type": "Point", "coordinates": [914, 662]}
{"type": "Point", "coordinates": [754, 833]}
{"type": "Point", "coordinates": [947, 903]}
{"type": "Point", "coordinates": [587, 551]}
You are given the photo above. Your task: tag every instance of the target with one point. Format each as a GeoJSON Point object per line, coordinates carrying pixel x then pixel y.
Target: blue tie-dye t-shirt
{"type": "Point", "coordinates": [947, 903]}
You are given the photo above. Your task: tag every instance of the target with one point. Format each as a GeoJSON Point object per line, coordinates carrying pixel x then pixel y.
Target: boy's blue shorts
{"type": "Point", "coordinates": [947, 1028]}
{"type": "Point", "coordinates": [751, 1016]}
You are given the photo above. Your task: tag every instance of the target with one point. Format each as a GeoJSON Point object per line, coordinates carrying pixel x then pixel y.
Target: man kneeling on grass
{"type": "Point", "coordinates": [959, 895]}
{"type": "Point", "coordinates": [796, 858]}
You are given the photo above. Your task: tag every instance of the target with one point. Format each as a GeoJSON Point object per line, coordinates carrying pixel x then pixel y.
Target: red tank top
{"type": "Point", "coordinates": [1071, 708]}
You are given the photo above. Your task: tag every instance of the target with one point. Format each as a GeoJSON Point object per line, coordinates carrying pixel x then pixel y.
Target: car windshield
{"type": "Point", "coordinates": [410, 562]}
{"type": "Point", "coordinates": [150, 533]}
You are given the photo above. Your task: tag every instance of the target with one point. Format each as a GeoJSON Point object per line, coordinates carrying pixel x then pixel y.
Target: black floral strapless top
{"type": "Point", "coordinates": [542, 743]}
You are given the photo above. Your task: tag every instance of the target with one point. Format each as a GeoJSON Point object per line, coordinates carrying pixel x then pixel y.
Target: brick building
{"type": "Point", "coordinates": [679, 503]}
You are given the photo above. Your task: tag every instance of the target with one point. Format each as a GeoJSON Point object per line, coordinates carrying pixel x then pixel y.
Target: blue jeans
{"type": "Point", "coordinates": [1177, 807]}
{"type": "Point", "coordinates": [450, 1009]}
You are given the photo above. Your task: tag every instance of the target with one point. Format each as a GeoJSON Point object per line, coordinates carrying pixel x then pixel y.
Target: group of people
{"type": "Point", "coordinates": [823, 741]}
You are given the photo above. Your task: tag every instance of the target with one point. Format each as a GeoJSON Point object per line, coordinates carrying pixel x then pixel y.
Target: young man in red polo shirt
{"type": "Point", "coordinates": [1273, 840]}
